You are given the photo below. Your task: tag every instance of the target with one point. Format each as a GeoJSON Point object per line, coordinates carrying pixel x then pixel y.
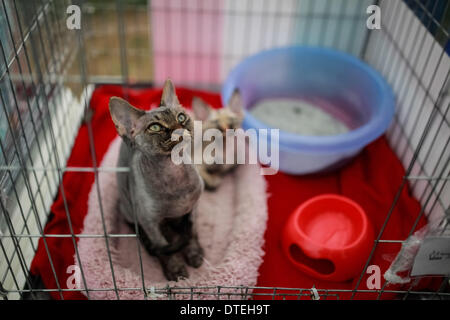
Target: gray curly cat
{"type": "Point", "coordinates": [161, 195]}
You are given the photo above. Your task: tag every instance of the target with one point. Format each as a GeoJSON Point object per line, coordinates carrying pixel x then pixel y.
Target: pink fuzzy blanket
{"type": "Point", "coordinates": [231, 222]}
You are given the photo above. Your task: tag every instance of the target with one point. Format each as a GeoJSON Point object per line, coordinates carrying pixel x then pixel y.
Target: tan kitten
{"type": "Point", "coordinates": [222, 119]}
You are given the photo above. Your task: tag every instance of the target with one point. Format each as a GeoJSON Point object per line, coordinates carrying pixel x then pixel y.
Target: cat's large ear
{"type": "Point", "coordinates": [201, 109]}
{"type": "Point", "coordinates": [235, 103]}
{"type": "Point", "coordinates": [169, 97]}
{"type": "Point", "coordinates": [124, 116]}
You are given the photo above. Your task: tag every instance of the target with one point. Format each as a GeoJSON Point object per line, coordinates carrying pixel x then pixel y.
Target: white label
{"type": "Point", "coordinates": [433, 257]}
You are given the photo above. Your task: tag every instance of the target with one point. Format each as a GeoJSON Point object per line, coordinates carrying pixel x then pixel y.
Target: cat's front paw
{"type": "Point", "coordinates": [193, 255]}
{"type": "Point", "coordinates": [175, 273]}
{"type": "Point", "coordinates": [174, 268]}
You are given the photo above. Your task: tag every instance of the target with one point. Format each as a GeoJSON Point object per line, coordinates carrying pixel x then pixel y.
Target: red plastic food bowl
{"type": "Point", "coordinates": [328, 237]}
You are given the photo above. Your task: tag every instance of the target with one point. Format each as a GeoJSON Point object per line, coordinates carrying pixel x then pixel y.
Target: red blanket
{"type": "Point", "coordinates": [371, 179]}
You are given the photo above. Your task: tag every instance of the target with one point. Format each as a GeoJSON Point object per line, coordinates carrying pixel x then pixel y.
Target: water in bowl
{"type": "Point", "coordinates": [297, 116]}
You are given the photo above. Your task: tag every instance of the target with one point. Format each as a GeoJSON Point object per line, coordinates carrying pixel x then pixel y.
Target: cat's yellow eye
{"type": "Point", "coordinates": [155, 127]}
{"type": "Point", "coordinates": [181, 117]}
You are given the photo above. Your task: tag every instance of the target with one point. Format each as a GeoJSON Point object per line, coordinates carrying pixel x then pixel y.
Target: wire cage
{"type": "Point", "coordinates": [48, 72]}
